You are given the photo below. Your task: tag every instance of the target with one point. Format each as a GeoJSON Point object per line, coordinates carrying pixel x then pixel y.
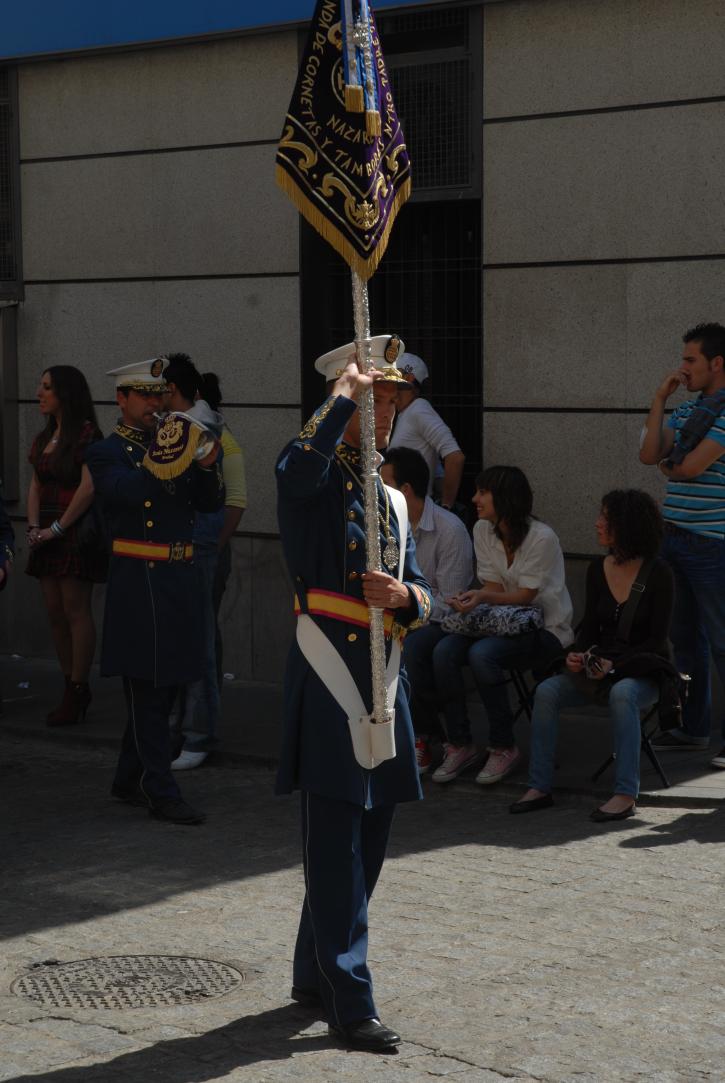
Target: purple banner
{"type": "Point", "coordinates": [342, 158]}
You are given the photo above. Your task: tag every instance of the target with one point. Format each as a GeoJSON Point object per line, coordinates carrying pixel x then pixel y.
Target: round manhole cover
{"type": "Point", "coordinates": [127, 981]}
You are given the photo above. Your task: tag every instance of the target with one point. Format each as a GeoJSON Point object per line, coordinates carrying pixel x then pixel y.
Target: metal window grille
{"type": "Point", "coordinates": [433, 104]}
{"type": "Point", "coordinates": [424, 31]}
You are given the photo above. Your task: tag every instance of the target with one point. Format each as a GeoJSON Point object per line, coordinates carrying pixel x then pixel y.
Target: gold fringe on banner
{"type": "Point", "coordinates": [167, 464]}
{"type": "Point", "coordinates": [354, 98]}
{"type": "Point", "coordinates": [372, 122]}
{"type": "Point", "coordinates": [366, 268]}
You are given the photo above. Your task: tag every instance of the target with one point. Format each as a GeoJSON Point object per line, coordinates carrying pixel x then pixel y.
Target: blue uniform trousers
{"type": "Point", "coordinates": [145, 758]}
{"type": "Point", "coordinates": [343, 848]}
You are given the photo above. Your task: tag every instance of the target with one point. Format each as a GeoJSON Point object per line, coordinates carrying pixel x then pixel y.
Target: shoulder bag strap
{"type": "Point", "coordinates": [626, 617]}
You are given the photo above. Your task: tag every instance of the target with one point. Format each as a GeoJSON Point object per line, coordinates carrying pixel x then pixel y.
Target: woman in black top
{"type": "Point", "coordinates": [629, 526]}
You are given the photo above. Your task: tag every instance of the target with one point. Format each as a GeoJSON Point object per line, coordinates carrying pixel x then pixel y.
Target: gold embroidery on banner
{"type": "Point", "coordinates": [169, 433]}
{"type": "Point", "coordinates": [391, 160]}
{"type": "Point", "coordinates": [309, 156]}
{"type": "Point", "coordinates": [363, 215]}
{"type": "Point", "coordinates": [316, 420]}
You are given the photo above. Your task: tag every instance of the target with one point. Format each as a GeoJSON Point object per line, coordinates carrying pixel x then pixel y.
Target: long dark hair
{"type": "Point", "coordinates": [512, 501]}
{"type": "Point", "coordinates": [635, 522]}
{"type": "Point", "coordinates": [74, 395]}
{"type": "Point", "coordinates": [211, 390]}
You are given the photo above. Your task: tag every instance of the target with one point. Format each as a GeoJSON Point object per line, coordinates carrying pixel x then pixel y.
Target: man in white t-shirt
{"type": "Point", "coordinates": [418, 426]}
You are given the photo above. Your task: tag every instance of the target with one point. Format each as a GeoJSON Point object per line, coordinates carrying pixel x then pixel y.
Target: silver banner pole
{"type": "Point", "coordinates": [361, 314]}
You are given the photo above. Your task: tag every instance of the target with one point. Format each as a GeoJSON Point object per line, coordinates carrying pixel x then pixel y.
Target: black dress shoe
{"type": "Point", "coordinates": [368, 1034]}
{"type": "Point", "coordinates": [130, 797]}
{"type": "Point", "coordinates": [601, 817]}
{"type": "Point", "coordinates": [545, 801]}
{"type": "Point", "coordinates": [176, 811]}
{"type": "Point", "coordinates": [308, 998]}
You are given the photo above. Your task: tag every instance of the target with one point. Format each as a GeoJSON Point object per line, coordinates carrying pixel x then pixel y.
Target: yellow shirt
{"type": "Point", "coordinates": [235, 479]}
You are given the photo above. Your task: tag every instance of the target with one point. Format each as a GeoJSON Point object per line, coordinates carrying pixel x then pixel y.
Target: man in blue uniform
{"type": "Point", "coordinates": [150, 480]}
{"type": "Point", "coordinates": [347, 801]}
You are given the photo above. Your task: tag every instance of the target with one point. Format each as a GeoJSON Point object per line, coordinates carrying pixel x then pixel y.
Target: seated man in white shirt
{"type": "Point", "coordinates": [445, 555]}
{"type": "Point", "coordinates": [418, 426]}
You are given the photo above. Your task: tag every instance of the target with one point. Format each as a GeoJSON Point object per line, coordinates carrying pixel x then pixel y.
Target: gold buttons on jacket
{"type": "Point", "coordinates": [352, 575]}
{"type": "Point", "coordinates": [149, 522]}
{"type": "Point", "coordinates": [147, 503]}
{"type": "Point", "coordinates": [128, 447]}
{"type": "Point", "coordinates": [352, 546]}
{"type": "Point", "coordinates": [306, 447]}
{"type": "Point", "coordinates": [352, 637]}
{"type": "Point", "coordinates": [351, 514]}
{"type": "Point", "coordinates": [349, 486]}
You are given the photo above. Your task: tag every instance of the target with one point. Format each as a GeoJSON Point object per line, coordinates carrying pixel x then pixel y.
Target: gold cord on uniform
{"type": "Point", "coordinates": [391, 552]}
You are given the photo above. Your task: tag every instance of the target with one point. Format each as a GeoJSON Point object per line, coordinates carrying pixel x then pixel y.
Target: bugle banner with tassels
{"type": "Point", "coordinates": [343, 162]}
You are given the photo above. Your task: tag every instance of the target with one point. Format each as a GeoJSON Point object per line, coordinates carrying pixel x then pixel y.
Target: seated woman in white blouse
{"type": "Point", "coordinates": [518, 562]}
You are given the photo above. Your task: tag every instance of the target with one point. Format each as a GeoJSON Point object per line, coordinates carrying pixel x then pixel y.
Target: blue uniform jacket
{"type": "Point", "coordinates": [321, 518]}
{"type": "Point", "coordinates": [151, 628]}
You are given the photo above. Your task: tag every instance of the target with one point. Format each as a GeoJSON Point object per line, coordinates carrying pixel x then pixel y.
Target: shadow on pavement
{"type": "Point", "coordinates": [269, 1036]}
{"type": "Point", "coordinates": [75, 855]}
{"type": "Point", "coordinates": [690, 827]}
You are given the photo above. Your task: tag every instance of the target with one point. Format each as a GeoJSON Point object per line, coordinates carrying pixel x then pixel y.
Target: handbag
{"type": "Point", "coordinates": [494, 620]}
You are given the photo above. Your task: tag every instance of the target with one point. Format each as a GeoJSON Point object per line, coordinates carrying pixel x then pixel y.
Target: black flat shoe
{"type": "Point", "coordinates": [600, 817]}
{"type": "Point", "coordinates": [308, 998]}
{"type": "Point", "coordinates": [368, 1034]}
{"type": "Point", "coordinates": [546, 801]}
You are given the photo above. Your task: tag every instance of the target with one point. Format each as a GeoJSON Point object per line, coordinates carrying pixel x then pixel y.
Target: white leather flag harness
{"type": "Point", "coordinates": [372, 742]}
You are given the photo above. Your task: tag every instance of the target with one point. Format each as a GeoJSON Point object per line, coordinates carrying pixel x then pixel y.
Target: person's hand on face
{"type": "Point", "coordinates": [671, 383]}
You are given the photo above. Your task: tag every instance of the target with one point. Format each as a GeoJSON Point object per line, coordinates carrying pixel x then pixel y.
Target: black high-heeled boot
{"type": "Point", "coordinates": [60, 710]}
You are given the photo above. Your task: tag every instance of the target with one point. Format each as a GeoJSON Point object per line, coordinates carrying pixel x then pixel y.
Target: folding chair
{"type": "Point", "coordinates": [524, 693]}
{"type": "Point", "coordinates": [647, 734]}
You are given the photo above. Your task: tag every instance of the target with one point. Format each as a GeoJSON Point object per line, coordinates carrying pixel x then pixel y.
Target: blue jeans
{"type": "Point", "coordinates": [203, 703]}
{"type": "Point", "coordinates": [488, 658]}
{"type": "Point", "coordinates": [626, 699]}
{"type": "Point", "coordinates": [418, 648]}
{"type": "Point", "coordinates": [698, 621]}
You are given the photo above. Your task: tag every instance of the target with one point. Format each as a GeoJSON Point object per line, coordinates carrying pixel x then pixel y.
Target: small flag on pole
{"type": "Point", "coordinates": [342, 158]}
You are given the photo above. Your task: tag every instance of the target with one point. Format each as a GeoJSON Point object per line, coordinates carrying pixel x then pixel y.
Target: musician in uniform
{"type": "Point", "coordinates": [348, 797]}
{"type": "Point", "coordinates": [150, 479]}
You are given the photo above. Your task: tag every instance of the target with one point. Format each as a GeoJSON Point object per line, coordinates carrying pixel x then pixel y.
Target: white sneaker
{"type": "Point", "coordinates": [458, 758]}
{"type": "Point", "coordinates": [499, 764]}
{"type": "Point", "coordinates": [186, 760]}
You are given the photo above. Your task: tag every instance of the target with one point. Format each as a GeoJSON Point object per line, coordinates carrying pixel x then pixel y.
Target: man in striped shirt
{"type": "Point", "coordinates": [694, 514]}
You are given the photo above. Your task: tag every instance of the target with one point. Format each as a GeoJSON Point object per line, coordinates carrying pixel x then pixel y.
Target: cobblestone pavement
{"type": "Point", "coordinates": [542, 947]}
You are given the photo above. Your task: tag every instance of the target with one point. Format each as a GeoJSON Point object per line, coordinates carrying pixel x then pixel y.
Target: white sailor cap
{"type": "Point", "coordinates": [412, 365]}
{"type": "Point", "coordinates": [384, 353]}
{"type": "Point", "coordinates": [142, 375]}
